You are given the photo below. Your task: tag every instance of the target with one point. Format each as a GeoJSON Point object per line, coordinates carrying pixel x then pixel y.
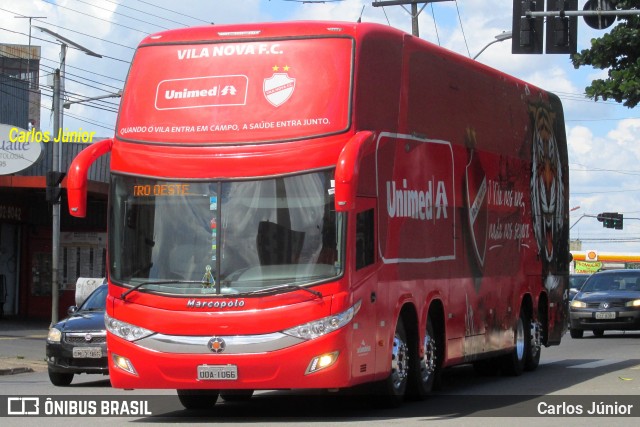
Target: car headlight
{"type": "Point", "coordinates": [634, 303]}
{"type": "Point", "coordinates": [125, 330]}
{"type": "Point", "coordinates": [54, 335]}
{"type": "Point", "coordinates": [318, 328]}
{"type": "Point", "coordinates": [578, 304]}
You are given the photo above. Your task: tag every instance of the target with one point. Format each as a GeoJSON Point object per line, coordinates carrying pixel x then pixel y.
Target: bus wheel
{"type": "Point", "coordinates": [198, 399]}
{"type": "Point", "coordinates": [514, 362]}
{"type": "Point", "coordinates": [392, 390]}
{"type": "Point", "coordinates": [532, 354]}
{"type": "Point", "coordinates": [236, 395]}
{"type": "Point", "coordinates": [424, 371]}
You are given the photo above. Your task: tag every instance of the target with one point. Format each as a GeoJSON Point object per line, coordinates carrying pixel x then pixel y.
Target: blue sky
{"type": "Point", "coordinates": [604, 153]}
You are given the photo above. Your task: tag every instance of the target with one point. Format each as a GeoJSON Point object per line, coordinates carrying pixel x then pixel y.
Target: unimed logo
{"type": "Point", "coordinates": [23, 406]}
{"type": "Point", "coordinates": [198, 92]}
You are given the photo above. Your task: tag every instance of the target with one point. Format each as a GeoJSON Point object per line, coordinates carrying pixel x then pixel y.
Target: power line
{"type": "Point", "coordinates": [146, 13]}
{"type": "Point", "coordinates": [95, 17]}
{"type": "Point", "coordinates": [173, 11]}
{"type": "Point", "coordinates": [121, 14]}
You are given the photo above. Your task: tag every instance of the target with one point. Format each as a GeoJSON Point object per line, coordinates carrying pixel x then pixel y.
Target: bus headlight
{"type": "Point", "coordinates": [318, 328]}
{"type": "Point", "coordinates": [125, 330]}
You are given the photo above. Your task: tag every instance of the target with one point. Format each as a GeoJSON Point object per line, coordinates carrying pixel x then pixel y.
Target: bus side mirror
{"type": "Point", "coordinates": [77, 176]}
{"type": "Point", "coordinates": [347, 171]}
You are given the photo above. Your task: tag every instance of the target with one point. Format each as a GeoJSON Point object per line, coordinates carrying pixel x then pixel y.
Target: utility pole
{"type": "Point", "coordinates": [414, 10]}
{"type": "Point", "coordinates": [55, 176]}
{"type": "Point", "coordinates": [55, 223]}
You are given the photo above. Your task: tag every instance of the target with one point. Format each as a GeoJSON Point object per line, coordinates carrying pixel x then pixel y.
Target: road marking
{"type": "Point", "coordinates": [597, 363]}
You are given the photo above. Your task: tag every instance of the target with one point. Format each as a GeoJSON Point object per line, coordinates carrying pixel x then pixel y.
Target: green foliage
{"type": "Point", "coordinates": [619, 52]}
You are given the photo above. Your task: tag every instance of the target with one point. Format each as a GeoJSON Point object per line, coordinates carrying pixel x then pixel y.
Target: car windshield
{"type": "Point", "coordinates": [612, 282]}
{"type": "Point", "coordinates": [224, 237]}
{"type": "Point", "coordinates": [576, 281]}
{"type": "Point", "coordinates": [96, 301]}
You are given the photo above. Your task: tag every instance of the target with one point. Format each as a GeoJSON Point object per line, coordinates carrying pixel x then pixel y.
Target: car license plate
{"type": "Point", "coordinates": [218, 372]}
{"type": "Point", "coordinates": [87, 352]}
{"type": "Point", "coordinates": [605, 315]}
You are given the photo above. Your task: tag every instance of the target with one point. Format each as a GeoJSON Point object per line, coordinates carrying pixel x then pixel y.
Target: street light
{"type": "Point", "coordinates": [56, 160]}
{"type": "Point", "coordinates": [505, 35]}
{"type": "Point", "coordinates": [118, 94]}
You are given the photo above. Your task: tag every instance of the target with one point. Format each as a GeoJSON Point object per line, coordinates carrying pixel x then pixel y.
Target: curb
{"type": "Point", "coordinates": [13, 371]}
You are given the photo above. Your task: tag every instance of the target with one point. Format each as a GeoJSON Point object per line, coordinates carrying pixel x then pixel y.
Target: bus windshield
{"type": "Point", "coordinates": [224, 237]}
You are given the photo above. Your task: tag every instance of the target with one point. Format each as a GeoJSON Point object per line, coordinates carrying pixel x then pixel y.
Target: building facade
{"type": "Point", "coordinates": [26, 215]}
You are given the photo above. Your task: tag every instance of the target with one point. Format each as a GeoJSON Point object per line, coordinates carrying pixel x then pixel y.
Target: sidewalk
{"type": "Point", "coordinates": [17, 339]}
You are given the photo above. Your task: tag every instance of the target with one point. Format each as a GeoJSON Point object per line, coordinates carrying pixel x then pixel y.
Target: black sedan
{"type": "Point", "coordinates": [78, 344]}
{"type": "Point", "coordinates": [608, 300]}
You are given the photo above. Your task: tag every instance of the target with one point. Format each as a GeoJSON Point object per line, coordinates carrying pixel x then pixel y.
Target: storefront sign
{"type": "Point", "coordinates": [10, 213]}
{"type": "Point", "coordinates": [15, 155]}
{"type": "Point", "coordinates": [588, 266]}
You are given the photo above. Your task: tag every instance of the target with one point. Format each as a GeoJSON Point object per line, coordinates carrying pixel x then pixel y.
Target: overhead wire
{"type": "Point", "coordinates": [462, 29]}
{"type": "Point", "coordinates": [146, 13]}
{"type": "Point", "coordinates": [120, 14]}
{"type": "Point", "coordinates": [96, 17]}
{"type": "Point", "coordinates": [173, 11]}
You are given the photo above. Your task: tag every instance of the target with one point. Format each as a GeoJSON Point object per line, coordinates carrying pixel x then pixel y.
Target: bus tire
{"type": "Point", "coordinates": [198, 399]}
{"type": "Point", "coordinates": [424, 371]}
{"type": "Point", "coordinates": [532, 354]}
{"type": "Point", "coordinates": [514, 362]}
{"type": "Point", "coordinates": [392, 390]}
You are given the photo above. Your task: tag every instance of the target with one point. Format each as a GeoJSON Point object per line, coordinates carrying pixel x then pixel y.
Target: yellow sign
{"type": "Point", "coordinates": [587, 266]}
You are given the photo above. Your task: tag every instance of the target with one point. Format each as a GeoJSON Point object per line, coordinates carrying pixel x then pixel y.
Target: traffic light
{"type": "Point", "coordinates": [618, 222]}
{"type": "Point", "coordinates": [53, 186]}
{"type": "Point", "coordinates": [562, 31]}
{"type": "Point", "coordinates": [527, 32]}
{"type": "Point", "coordinates": [611, 220]}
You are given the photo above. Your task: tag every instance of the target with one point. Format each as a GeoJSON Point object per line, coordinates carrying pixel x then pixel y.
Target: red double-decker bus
{"type": "Point", "coordinates": [320, 205]}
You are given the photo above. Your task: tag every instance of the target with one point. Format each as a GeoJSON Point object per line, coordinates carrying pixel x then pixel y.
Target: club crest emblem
{"type": "Point", "coordinates": [278, 88]}
{"type": "Point", "coordinates": [476, 194]}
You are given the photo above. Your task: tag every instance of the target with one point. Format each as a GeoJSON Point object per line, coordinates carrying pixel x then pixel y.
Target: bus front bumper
{"type": "Point", "coordinates": [211, 363]}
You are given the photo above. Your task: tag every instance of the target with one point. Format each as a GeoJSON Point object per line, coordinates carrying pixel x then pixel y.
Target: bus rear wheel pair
{"type": "Point", "coordinates": [411, 376]}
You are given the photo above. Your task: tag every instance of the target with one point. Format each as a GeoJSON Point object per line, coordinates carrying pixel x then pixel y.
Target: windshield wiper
{"type": "Point", "coordinates": [157, 282]}
{"type": "Point", "coordinates": [317, 294]}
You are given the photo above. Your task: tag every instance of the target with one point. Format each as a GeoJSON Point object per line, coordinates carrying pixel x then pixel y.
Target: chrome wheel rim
{"type": "Point", "coordinates": [399, 362]}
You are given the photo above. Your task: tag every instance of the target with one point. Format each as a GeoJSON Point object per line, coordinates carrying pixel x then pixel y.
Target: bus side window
{"type": "Point", "coordinates": [364, 239]}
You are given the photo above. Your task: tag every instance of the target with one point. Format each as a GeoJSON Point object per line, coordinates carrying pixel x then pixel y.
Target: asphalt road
{"type": "Point", "coordinates": [578, 373]}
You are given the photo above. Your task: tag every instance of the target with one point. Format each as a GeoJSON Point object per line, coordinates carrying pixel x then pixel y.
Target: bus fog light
{"type": "Point", "coordinates": [321, 362]}
{"type": "Point", "coordinates": [124, 364]}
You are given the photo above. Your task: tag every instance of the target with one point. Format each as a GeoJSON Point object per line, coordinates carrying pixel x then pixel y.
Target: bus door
{"type": "Point", "coordinates": [364, 273]}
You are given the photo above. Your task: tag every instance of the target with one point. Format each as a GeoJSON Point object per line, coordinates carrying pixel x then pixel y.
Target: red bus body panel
{"type": "Point", "coordinates": [464, 166]}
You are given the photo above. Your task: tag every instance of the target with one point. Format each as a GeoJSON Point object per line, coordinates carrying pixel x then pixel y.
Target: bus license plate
{"type": "Point", "coordinates": [217, 372]}
{"type": "Point", "coordinates": [87, 352]}
{"type": "Point", "coordinates": [605, 315]}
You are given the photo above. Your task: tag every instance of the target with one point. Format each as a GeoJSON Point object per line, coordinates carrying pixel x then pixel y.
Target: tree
{"type": "Point", "coordinates": [619, 52]}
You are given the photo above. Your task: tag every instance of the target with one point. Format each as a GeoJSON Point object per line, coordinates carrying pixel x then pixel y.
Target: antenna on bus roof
{"type": "Point", "coordinates": [360, 17]}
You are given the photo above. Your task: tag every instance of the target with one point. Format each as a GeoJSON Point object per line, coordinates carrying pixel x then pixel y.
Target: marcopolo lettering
{"type": "Point", "coordinates": [196, 303]}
